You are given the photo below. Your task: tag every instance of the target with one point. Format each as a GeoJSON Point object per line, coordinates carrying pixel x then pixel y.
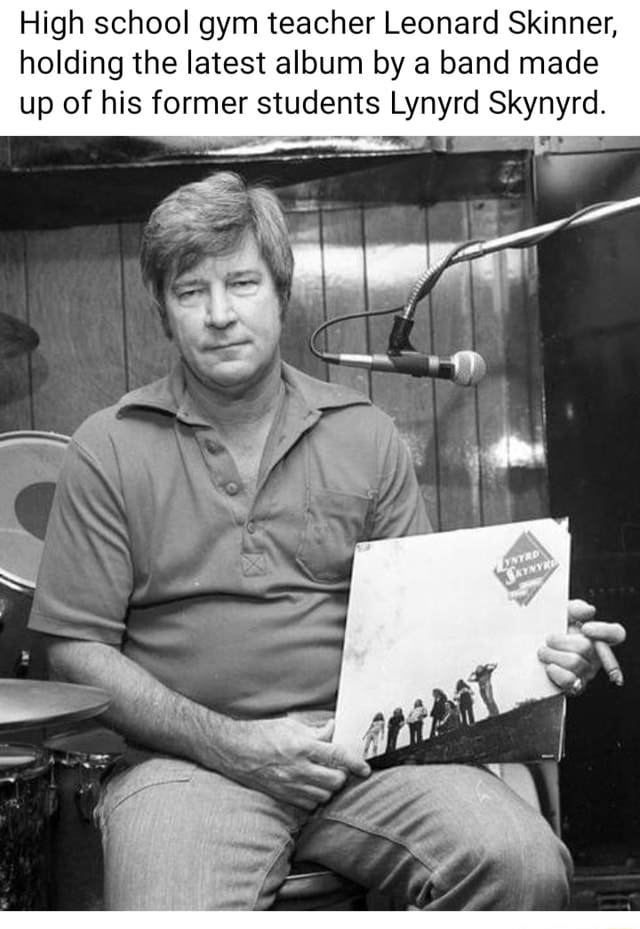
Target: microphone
{"type": "Point", "coordinates": [466, 369]}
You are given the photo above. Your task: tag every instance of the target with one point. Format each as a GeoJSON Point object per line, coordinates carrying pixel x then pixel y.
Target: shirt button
{"type": "Point", "coordinates": [232, 488]}
{"type": "Point", "coordinates": [251, 528]}
{"type": "Point", "coordinates": [210, 446]}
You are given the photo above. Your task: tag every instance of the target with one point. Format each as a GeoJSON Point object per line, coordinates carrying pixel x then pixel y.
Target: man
{"type": "Point", "coordinates": [197, 567]}
{"type": "Point", "coordinates": [482, 677]}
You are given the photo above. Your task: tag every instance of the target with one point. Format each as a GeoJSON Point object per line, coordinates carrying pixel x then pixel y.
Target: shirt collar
{"type": "Point", "coordinates": [169, 395]}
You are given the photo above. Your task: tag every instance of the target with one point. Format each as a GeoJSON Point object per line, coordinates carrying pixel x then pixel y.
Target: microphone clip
{"type": "Point", "coordinates": [399, 336]}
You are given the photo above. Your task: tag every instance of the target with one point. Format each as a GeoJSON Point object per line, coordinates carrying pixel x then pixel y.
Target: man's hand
{"type": "Point", "coordinates": [290, 760]}
{"type": "Point", "coordinates": [571, 659]}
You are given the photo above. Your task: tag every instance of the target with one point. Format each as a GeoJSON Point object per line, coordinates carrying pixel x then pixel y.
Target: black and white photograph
{"type": "Point", "coordinates": [227, 363]}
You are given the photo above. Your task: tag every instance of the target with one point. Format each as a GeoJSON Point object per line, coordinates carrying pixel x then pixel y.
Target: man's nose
{"type": "Point", "coordinates": [219, 312]}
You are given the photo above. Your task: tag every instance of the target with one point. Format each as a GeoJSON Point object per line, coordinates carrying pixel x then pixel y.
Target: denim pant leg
{"type": "Point", "coordinates": [178, 837]}
{"type": "Point", "coordinates": [441, 837]}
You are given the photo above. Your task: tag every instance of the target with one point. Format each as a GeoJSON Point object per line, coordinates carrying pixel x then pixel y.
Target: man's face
{"type": "Point", "coordinates": [224, 316]}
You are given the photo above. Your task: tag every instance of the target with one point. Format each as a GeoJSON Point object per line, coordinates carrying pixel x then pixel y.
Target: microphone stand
{"type": "Point", "coordinates": [399, 350]}
{"type": "Point", "coordinates": [403, 322]}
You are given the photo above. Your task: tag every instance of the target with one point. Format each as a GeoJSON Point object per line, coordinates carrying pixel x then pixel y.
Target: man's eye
{"type": "Point", "coordinates": [244, 284]}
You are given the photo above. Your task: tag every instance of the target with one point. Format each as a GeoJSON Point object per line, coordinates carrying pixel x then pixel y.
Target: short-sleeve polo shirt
{"type": "Point", "coordinates": [236, 601]}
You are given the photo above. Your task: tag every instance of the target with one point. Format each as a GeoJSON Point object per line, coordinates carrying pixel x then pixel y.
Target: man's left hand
{"type": "Point", "coordinates": [571, 659]}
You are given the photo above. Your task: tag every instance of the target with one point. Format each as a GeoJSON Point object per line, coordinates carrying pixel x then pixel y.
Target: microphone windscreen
{"type": "Point", "coordinates": [470, 368]}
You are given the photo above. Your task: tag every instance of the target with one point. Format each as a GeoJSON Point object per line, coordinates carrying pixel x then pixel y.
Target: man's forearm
{"type": "Point", "coordinates": [142, 708]}
{"type": "Point", "coordinates": [283, 757]}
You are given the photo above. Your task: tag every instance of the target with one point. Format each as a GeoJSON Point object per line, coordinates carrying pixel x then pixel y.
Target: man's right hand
{"type": "Point", "coordinates": [285, 757]}
{"type": "Point", "coordinates": [290, 760]}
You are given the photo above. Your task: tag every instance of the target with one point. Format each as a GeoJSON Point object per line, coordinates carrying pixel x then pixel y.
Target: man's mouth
{"type": "Point", "coordinates": [221, 347]}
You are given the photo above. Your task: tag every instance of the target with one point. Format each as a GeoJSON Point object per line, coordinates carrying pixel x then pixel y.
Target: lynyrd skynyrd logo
{"type": "Point", "coordinates": [525, 568]}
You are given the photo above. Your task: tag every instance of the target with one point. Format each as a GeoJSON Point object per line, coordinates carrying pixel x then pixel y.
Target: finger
{"type": "Point", "coordinates": [307, 798]}
{"type": "Point", "coordinates": [309, 784]}
{"type": "Point", "coordinates": [337, 756]}
{"type": "Point", "coordinates": [350, 761]}
{"type": "Point", "coordinates": [571, 642]}
{"type": "Point", "coordinates": [573, 663]}
{"type": "Point", "coordinates": [566, 680]}
{"type": "Point", "coordinates": [329, 779]}
{"type": "Point", "coordinates": [325, 732]}
{"type": "Point", "coordinates": [611, 633]}
{"type": "Point", "coordinates": [580, 611]}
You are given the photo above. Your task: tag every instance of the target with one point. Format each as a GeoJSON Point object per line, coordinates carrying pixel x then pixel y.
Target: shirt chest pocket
{"type": "Point", "coordinates": [333, 522]}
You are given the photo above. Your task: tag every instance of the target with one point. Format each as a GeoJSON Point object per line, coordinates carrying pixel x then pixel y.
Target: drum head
{"type": "Point", "coordinates": [97, 741]}
{"type": "Point", "coordinates": [19, 762]}
{"type": "Point", "coordinates": [29, 463]}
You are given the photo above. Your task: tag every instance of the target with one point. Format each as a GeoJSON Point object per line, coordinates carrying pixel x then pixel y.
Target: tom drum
{"type": "Point", "coordinates": [24, 816]}
{"type": "Point", "coordinates": [81, 759]}
{"type": "Point", "coordinates": [29, 463]}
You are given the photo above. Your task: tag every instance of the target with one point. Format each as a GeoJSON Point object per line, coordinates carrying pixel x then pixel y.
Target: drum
{"type": "Point", "coordinates": [81, 760]}
{"type": "Point", "coordinates": [24, 815]}
{"type": "Point", "coordinates": [29, 463]}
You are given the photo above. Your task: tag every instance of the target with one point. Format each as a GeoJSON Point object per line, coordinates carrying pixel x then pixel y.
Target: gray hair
{"type": "Point", "coordinates": [210, 218]}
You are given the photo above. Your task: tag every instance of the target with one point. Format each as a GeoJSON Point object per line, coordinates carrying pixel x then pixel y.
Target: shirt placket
{"type": "Point", "coordinates": [229, 485]}
{"type": "Point", "coordinates": [289, 427]}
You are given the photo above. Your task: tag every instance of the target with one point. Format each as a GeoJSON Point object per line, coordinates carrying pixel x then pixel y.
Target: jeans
{"type": "Point", "coordinates": [439, 837]}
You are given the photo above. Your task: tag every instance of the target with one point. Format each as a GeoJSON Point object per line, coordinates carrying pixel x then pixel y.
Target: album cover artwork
{"type": "Point", "coordinates": [440, 658]}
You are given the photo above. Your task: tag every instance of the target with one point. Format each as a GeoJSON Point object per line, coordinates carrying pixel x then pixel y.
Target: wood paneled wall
{"type": "Point", "coordinates": [479, 453]}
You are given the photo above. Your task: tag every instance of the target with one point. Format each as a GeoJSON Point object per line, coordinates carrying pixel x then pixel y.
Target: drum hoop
{"type": "Point", "coordinates": [41, 763]}
{"type": "Point", "coordinates": [86, 759]}
{"type": "Point", "coordinates": [20, 584]}
{"type": "Point", "coordinates": [29, 434]}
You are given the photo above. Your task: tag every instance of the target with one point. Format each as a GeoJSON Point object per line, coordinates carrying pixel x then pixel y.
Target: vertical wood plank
{"type": "Point", "coordinates": [523, 373]}
{"type": "Point", "coordinates": [456, 413]}
{"type": "Point", "coordinates": [75, 292]}
{"type": "Point", "coordinates": [149, 353]}
{"type": "Point", "coordinates": [490, 298]}
{"type": "Point", "coordinates": [537, 504]}
{"type": "Point", "coordinates": [343, 266]}
{"type": "Point", "coordinates": [15, 386]}
{"type": "Point", "coordinates": [510, 406]}
{"type": "Point", "coordinates": [306, 310]}
{"type": "Point", "coordinates": [396, 254]}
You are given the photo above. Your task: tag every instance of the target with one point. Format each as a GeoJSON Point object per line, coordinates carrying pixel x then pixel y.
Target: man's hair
{"type": "Point", "coordinates": [211, 218]}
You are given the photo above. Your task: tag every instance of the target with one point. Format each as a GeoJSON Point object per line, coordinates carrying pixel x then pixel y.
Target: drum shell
{"type": "Point", "coordinates": [80, 763]}
{"type": "Point", "coordinates": [15, 639]}
{"type": "Point", "coordinates": [24, 828]}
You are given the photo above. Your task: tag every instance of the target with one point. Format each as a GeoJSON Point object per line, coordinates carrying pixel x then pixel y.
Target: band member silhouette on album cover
{"type": "Point", "coordinates": [482, 677]}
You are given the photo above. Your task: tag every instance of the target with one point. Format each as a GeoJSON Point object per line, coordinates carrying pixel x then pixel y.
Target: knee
{"type": "Point", "coordinates": [503, 869]}
{"type": "Point", "coordinates": [547, 880]}
{"type": "Point", "coordinates": [525, 872]}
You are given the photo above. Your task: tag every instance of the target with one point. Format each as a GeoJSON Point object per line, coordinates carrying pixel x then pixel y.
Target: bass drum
{"type": "Point", "coordinates": [30, 463]}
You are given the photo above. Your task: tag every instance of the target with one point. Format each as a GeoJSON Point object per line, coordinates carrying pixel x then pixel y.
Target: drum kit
{"type": "Point", "coordinates": [48, 784]}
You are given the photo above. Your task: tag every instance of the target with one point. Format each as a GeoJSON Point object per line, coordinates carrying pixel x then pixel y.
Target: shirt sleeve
{"type": "Point", "coordinates": [85, 576]}
{"type": "Point", "coordinates": [400, 507]}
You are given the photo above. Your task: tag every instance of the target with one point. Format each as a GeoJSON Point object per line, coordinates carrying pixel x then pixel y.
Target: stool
{"type": "Point", "coordinates": [311, 887]}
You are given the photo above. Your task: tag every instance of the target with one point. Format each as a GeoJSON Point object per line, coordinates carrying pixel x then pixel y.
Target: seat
{"type": "Point", "coordinates": [312, 887]}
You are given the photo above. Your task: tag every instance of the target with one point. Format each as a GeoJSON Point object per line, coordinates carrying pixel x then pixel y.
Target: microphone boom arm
{"type": "Point", "coordinates": [401, 356]}
{"type": "Point", "coordinates": [536, 233]}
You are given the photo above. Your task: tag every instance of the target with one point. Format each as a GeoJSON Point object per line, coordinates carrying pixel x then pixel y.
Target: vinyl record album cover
{"type": "Point", "coordinates": [440, 659]}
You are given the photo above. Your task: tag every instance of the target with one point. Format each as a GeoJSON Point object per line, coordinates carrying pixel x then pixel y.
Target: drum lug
{"type": "Point", "coordinates": [21, 667]}
{"type": "Point", "coordinates": [86, 797]}
{"type": "Point", "coordinates": [53, 799]}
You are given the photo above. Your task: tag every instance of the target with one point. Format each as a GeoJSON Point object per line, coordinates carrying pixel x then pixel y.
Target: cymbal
{"type": "Point", "coordinates": [16, 337]}
{"type": "Point", "coordinates": [25, 704]}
